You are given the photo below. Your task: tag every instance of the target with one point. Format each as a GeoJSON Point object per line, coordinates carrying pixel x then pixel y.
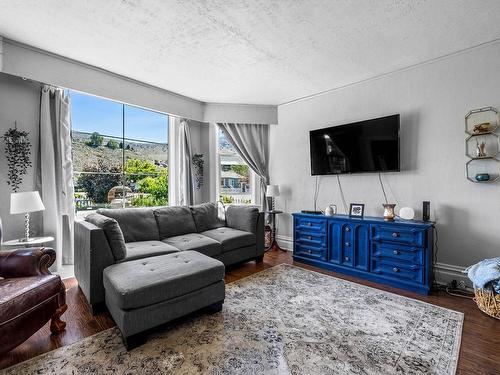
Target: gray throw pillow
{"type": "Point", "coordinates": [174, 221]}
{"type": "Point", "coordinates": [112, 232]}
{"type": "Point", "coordinates": [206, 216]}
{"type": "Point", "coordinates": [137, 224]}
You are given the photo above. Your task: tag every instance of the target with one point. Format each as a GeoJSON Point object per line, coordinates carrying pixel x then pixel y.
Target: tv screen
{"type": "Point", "coordinates": [365, 146]}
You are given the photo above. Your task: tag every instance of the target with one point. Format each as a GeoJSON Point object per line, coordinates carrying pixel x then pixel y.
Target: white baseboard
{"type": "Point", "coordinates": [444, 273]}
{"type": "Point", "coordinates": [285, 242]}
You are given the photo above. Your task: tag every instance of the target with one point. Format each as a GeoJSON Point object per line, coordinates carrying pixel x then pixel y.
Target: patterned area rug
{"type": "Point", "coordinates": [284, 320]}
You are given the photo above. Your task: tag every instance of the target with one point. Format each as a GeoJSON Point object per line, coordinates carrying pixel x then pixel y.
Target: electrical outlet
{"type": "Point", "coordinates": [461, 285]}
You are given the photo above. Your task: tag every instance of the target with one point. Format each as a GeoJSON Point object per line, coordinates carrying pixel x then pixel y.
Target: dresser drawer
{"type": "Point", "coordinates": [397, 253]}
{"type": "Point", "coordinates": [310, 224]}
{"type": "Point", "coordinates": [310, 239]}
{"type": "Point", "coordinates": [310, 251]}
{"type": "Point", "coordinates": [398, 270]}
{"type": "Point", "coordinates": [398, 234]}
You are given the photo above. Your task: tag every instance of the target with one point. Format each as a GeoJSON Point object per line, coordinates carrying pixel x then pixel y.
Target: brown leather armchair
{"type": "Point", "coordinates": [29, 295]}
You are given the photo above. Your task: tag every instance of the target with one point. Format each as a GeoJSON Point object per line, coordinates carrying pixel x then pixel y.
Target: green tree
{"type": "Point", "coordinates": [97, 185]}
{"type": "Point", "coordinates": [157, 187]}
{"type": "Point", "coordinates": [112, 144]}
{"type": "Point", "coordinates": [148, 201]}
{"type": "Point", "coordinates": [95, 140]}
{"type": "Point", "coordinates": [242, 170]}
{"type": "Point", "coordinates": [138, 169]}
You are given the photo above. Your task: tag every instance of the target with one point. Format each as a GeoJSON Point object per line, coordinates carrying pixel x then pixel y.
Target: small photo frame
{"type": "Point", "coordinates": [357, 210]}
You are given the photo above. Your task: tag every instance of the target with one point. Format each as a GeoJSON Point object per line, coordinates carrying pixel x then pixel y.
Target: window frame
{"type": "Point", "coordinates": [123, 139]}
{"type": "Point", "coordinates": [253, 178]}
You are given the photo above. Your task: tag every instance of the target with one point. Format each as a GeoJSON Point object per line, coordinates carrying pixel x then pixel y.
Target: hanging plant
{"type": "Point", "coordinates": [198, 163]}
{"type": "Point", "coordinates": [18, 152]}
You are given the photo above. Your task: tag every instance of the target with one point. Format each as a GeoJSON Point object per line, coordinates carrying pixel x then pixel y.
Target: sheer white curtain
{"type": "Point", "coordinates": [55, 172]}
{"type": "Point", "coordinates": [251, 142]}
{"type": "Point", "coordinates": [186, 181]}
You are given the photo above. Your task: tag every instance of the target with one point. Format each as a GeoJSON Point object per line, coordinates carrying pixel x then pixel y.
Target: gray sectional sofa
{"type": "Point", "coordinates": [113, 236]}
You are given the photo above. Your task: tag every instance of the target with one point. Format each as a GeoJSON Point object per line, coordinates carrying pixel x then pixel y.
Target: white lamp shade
{"type": "Point", "coordinates": [272, 191]}
{"type": "Point", "coordinates": [27, 201]}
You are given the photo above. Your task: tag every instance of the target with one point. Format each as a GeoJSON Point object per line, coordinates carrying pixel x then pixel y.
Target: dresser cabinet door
{"type": "Point", "coordinates": [361, 238]}
{"type": "Point", "coordinates": [335, 242]}
{"type": "Point", "coordinates": [349, 244]}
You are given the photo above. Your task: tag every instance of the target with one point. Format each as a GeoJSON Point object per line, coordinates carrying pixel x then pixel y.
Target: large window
{"type": "Point", "coordinates": [235, 177]}
{"type": "Point", "coordinates": [120, 154]}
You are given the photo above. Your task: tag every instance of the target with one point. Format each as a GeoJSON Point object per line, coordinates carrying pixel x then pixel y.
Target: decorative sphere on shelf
{"type": "Point", "coordinates": [407, 213]}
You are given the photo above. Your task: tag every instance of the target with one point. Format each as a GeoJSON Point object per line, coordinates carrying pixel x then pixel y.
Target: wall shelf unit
{"type": "Point", "coordinates": [482, 145]}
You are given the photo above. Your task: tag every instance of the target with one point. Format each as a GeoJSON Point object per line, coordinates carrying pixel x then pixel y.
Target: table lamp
{"type": "Point", "coordinates": [272, 191]}
{"type": "Point", "coordinates": [24, 203]}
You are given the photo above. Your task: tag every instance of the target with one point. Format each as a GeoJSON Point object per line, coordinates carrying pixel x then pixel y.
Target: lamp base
{"type": "Point", "coordinates": [26, 228]}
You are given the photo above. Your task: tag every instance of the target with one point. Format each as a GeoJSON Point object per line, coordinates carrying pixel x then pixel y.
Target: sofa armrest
{"type": "Point", "coordinates": [243, 218]}
{"type": "Point", "coordinates": [26, 262]}
{"type": "Point", "coordinates": [92, 255]}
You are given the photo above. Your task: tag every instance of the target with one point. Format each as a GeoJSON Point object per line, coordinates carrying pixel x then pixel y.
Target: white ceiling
{"type": "Point", "coordinates": [253, 51]}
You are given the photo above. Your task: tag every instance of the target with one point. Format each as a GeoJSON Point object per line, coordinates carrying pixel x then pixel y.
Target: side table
{"type": "Point", "coordinates": [32, 241]}
{"type": "Point", "coordinates": [274, 244]}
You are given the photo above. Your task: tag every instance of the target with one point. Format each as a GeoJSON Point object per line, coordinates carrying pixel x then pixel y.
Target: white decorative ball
{"type": "Point", "coordinates": [406, 213]}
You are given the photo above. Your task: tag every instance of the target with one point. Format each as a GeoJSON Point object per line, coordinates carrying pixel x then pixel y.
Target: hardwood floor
{"type": "Point", "coordinates": [479, 353]}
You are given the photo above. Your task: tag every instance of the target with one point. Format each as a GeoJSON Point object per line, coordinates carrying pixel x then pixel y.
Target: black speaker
{"type": "Point", "coordinates": [426, 211]}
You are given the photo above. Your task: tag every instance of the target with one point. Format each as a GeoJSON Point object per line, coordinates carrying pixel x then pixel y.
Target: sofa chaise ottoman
{"type": "Point", "coordinates": [145, 293]}
{"type": "Point", "coordinates": [115, 236]}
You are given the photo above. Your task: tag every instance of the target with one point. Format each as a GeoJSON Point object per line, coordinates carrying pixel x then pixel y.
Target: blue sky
{"type": "Point", "coordinates": [91, 114]}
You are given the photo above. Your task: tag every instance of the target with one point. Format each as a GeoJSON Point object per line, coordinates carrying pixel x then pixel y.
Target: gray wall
{"type": "Point", "coordinates": [200, 145]}
{"type": "Point", "coordinates": [19, 101]}
{"type": "Point", "coordinates": [432, 100]}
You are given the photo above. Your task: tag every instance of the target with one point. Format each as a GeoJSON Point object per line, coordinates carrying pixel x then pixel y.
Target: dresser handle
{"type": "Point", "coordinates": [395, 234]}
{"type": "Point", "coordinates": [395, 252]}
{"type": "Point", "coordinates": [395, 269]}
{"type": "Point", "coordinates": [347, 229]}
{"type": "Point", "coordinates": [309, 224]}
{"type": "Point", "coordinates": [346, 259]}
{"type": "Point", "coordinates": [309, 237]}
{"type": "Point", "coordinates": [309, 251]}
{"type": "Point", "coordinates": [348, 244]}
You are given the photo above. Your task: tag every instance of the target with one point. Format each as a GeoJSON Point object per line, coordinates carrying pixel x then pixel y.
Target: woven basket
{"type": "Point", "coordinates": [488, 302]}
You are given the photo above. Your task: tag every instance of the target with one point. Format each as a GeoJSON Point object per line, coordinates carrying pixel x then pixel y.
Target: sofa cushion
{"type": "Point", "coordinates": [174, 221]}
{"type": "Point", "coordinates": [230, 238]}
{"type": "Point", "coordinates": [144, 249]}
{"type": "Point", "coordinates": [113, 233]}
{"type": "Point", "coordinates": [144, 282]}
{"type": "Point", "coordinates": [206, 216]}
{"type": "Point", "coordinates": [137, 224]}
{"type": "Point", "coordinates": [195, 241]}
{"type": "Point", "coordinates": [242, 217]}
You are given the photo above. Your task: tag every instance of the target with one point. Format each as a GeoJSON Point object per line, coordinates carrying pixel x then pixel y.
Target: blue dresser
{"type": "Point", "coordinates": [397, 253]}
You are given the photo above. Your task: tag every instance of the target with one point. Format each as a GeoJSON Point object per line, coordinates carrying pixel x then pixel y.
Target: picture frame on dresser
{"type": "Point", "coordinates": [357, 210]}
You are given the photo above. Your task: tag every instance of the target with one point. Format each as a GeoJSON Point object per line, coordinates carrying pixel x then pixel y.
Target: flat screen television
{"type": "Point", "coordinates": [359, 147]}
